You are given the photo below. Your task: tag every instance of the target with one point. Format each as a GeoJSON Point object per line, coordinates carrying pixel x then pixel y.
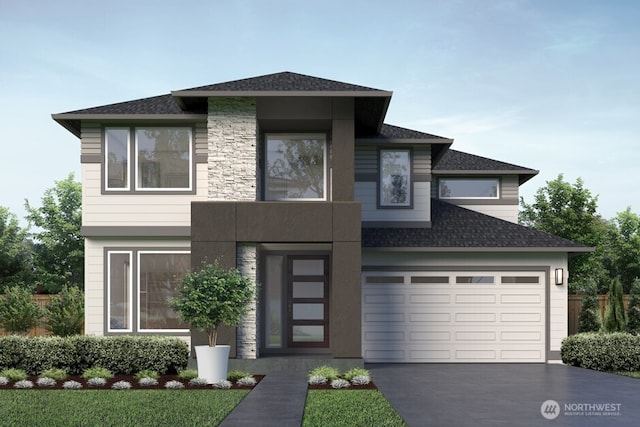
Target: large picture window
{"type": "Point", "coordinates": [163, 159]}
{"type": "Point", "coordinates": [139, 286]}
{"type": "Point", "coordinates": [395, 178]}
{"type": "Point", "coordinates": [296, 167]}
{"type": "Point", "coordinates": [469, 188]}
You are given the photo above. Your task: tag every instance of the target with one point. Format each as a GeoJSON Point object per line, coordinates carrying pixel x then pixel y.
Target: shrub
{"type": "Point", "coordinates": [619, 351]}
{"type": "Point", "coordinates": [174, 385]}
{"type": "Point", "coordinates": [96, 382]}
{"type": "Point", "coordinates": [147, 381]}
{"type": "Point", "coordinates": [187, 374]}
{"type": "Point", "coordinates": [18, 312]}
{"type": "Point", "coordinates": [23, 384]}
{"type": "Point", "coordinates": [590, 318]}
{"type": "Point", "coordinates": [97, 372]}
{"type": "Point", "coordinates": [317, 380]}
{"type": "Point", "coordinates": [72, 385]}
{"type": "Point", "coordinates": [198, 382]}
{"type": "Point", "coordinates": [121, 385]}
{"type": "Point", "coordinates": [339, 383]}
{"type": "Point", "coordinates": [247, 381]}
{"type": "Point", "coordinates": [55, 373]}
{"type": "Point", "coordinates": [356, 372]}
{"type": "Point", "coordinates": [234, 376]}
{"type": "Point", "coordinates": [614, 315]}
{"type": "Point", "coordinates": [4, 380]}
{"type": "Point", "coordinates": [146, 373]}
{"type": "Point", "coordinates": [46, 382]}
{"type": "Point", "coordinates": [328, 372]}
{"type": "Point", "coordinates": [222, 384]}
{"type": "Point", "coordinates": [64, 313]}
{"type": "Point", "coordinates": [13, 374]}
{"type": "Point", "coordinates": [633, 312]}
{"type": "Point", "coordinates": [360, 380]}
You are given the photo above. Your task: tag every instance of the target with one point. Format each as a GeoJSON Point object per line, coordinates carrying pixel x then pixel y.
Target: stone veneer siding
{"type": "Point", "coordinates": [246, 334]}
{"type": "Point", "coordinates": [233, 176]}
{"type": "Point", "coordinates": [232, 166]}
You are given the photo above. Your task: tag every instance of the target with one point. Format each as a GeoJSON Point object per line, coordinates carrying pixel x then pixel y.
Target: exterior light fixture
{"type": "Point", "coordinates": [559, 276]}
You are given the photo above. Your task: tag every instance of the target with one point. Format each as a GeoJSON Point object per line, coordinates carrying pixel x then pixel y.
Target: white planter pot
{"type": "Point", "coordinates": [212, 362]}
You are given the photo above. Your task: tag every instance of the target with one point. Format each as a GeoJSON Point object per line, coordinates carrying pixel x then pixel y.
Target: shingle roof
{"type": "Point", "coordinates": [163, 104]}
{"type": "Point", "coordinates": [457, 162]}
{"type": "Point", "coordinates": [284, 81]}
{"type": "Point", "coordinates": [456, 227]}
{"type": "Point", "coordinates": [396, 132]}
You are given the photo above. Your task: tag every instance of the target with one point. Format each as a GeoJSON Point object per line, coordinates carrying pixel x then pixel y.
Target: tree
{"type": "Point", "coordinates": [633, 311]}
{"type": "Point", "coordinates": [15, 251]}
{"type": "Point", "coordinates": [18, 312]}
{"type": "Point", "coordinates": [614, 315]}
{"type": "Point", "coordinates": [64, 313]}
{"type": "Point", "coordinates": [59, 246]}
{"type": "Point", "coordinates": [622, 247]}
{"type": "Point", "coordinates": [590, 318]}
{"type": "Point", "coordinates": [569, 211]}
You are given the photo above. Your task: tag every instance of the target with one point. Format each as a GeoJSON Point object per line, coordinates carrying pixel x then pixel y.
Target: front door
{"type": "Point", "coordinates": [308, 301]}
{"type": "Point", "coordinates": [295, 309]}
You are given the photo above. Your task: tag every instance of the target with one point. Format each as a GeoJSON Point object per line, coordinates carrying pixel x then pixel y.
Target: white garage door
{"type": "Point", "coordinates": [474, 316]}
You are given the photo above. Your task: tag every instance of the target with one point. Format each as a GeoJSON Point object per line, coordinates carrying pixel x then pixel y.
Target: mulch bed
{"type": "Point", "coordinates": [327, 386]}
{"type": "Point", "coordinates": [162, 380]}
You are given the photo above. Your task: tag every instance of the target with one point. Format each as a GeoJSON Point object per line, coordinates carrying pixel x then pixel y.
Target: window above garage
{"type": "Point", "coordinates": [469, 188]}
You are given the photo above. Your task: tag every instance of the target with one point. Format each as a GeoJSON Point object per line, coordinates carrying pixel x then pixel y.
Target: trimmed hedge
{"type": "Point", "coordinates": [619, 351]}
{"type": "Point", "coordinates": [121, 355]}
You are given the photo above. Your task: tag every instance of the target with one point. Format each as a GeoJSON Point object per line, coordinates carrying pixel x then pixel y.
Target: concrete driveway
{"type": "Point", "coordinates": [508, 395]}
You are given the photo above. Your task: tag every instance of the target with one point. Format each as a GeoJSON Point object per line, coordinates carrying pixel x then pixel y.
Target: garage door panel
{"type": "Point", "coordinates": [411, 320]}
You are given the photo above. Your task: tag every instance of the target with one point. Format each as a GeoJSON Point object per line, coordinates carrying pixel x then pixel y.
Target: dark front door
{"type": "Point", "coordinates": [307, 301]}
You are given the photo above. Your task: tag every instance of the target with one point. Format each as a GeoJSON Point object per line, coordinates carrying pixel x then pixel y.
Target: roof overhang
{"type": "Point", "coordinates": [572, 251]}
{"type": "Point", "coordinates": [523, 175]}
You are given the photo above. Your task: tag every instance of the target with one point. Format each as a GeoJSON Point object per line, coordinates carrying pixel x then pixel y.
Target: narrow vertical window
{"type": "Point", "coordinates": [395, 178]}
{"type": "Point", "coordinates": [274, 275]}
{"type": "Point", "coordinates": [119, 291]}
{"type": "Point", "coordinates": [117, 158]}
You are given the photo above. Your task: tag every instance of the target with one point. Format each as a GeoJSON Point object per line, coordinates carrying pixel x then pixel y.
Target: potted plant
{"type": "Point", "coordinates": [208, 298]}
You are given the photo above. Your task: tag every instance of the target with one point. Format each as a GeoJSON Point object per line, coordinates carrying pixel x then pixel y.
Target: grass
{"type": "Point", "coordinates": [117, 408]}
{"type": "Point", "coordinates": [349, 408]}
{"type": "Point", "coordinates": [633, 374]}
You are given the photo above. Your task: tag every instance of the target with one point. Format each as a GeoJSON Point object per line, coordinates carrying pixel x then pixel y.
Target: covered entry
{"type": "Point", "coordinates": [453, 316]}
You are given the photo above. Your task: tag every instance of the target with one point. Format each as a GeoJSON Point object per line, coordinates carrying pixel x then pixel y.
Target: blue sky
{"type": "Point", "coordinates": [548, 84]}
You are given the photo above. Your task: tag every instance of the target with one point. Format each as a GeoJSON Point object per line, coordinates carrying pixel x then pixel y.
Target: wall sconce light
{"type": "Point", "coordinates": [559, 276]}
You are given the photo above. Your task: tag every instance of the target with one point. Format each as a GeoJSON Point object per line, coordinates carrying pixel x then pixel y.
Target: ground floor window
{"type": "Point", "coordinates": [138, 288]}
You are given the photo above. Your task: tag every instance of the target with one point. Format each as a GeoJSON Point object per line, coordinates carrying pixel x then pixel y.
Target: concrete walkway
{"type": "Point", "coordinates": [278, 400]}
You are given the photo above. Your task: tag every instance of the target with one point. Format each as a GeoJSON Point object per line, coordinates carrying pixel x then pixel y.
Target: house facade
{"type": "Point", "coordinates": [366, 240]}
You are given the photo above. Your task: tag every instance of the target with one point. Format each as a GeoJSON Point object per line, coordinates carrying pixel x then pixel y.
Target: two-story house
{"type": "Point", "coordinates": [366, 240]}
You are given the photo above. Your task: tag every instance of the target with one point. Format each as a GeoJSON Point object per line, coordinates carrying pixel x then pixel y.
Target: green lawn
{"type": "Point", "coordinates": [349, 408]}
{"type": "Point", "coordinates": [117, 408]}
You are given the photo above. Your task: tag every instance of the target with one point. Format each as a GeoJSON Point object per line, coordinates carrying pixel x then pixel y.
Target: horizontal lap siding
{"type": "Point", "coordinates": [505, 212]}
{"type": "Point", "coordinates": [136, 210]}
{"type": "Point", "coordinates": [91, 141]}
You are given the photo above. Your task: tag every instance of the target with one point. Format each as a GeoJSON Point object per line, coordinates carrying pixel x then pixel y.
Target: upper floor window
{"type": "Point", "coordinates": [163, 159]}
{"type": "Point", "coordinates": [469, 188]}
{"type": "Point", "coordinates": [395, 178]}
{"type": "Point", "coordinates": [296, 167]}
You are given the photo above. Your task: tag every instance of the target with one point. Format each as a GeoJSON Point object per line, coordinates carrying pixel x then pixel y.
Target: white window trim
{"type": "Point", "coordinates": [496, 197]}
{"type": "Point", "coordinates": [129, 293]}
{"type": "Point", "coordinates": [324, 164]}
{"type": "Point", "coordinates": [138, 281]}
{"type": "Point", "coordinates": [106, 160]}
{"type": "Point", "coordinates": [135, 163]}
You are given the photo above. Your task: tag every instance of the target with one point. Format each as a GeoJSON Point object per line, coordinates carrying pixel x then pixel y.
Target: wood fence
{"type": "Point", "coordinates": [39, 330]}
{"type": "Point", "coordinates": [575, 307]}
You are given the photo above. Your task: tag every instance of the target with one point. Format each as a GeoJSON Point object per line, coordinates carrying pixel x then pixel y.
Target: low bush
{"type": "Point", "coordinates": [55, 373]}
{"type": "Point", "coordinates": [13, 374]}
{"type": "Point", "coordinates": [121, 355]}
{"type": "Point", "coordinates": [235, 375]}
{"type": "Point", "coordinates": [146, 373]}
{"type": "Point", "coordinates": [356, 372]}
{"type": "Point", "coordinates": [187, 374]}
{"type": "Point", "coordinates": [617, 351]}
{"type": "Point", "coordinates": [97, 372]}
{"type": "Point", "coordinates": [328, 372]}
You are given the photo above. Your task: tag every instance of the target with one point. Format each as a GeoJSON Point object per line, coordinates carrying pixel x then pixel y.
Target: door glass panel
{"type": "Point", "coordinates": [273, 291]}
{"type": "Point", "coordinates": [308, 267]}
{"type": "Point", "coordinates": [308, 311]}
{"type": "Point", "coordinates": [308, 333]}
{"type": "Point", "coordinates": [308, 289]}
